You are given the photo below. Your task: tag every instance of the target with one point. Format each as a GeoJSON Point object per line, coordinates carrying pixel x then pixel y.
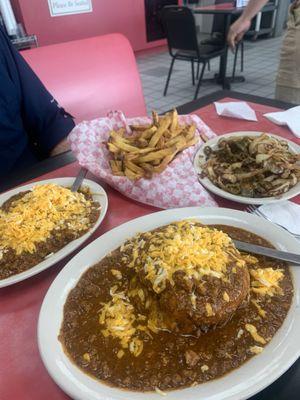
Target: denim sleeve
{"type": "Point", "coordinates": [44, 119]}
{"type": "Point", "coordinates": [29, 115]}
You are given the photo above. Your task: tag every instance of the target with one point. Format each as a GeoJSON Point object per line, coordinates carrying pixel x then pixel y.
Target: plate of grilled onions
{"type": "Point", "coordinates": [150, 148]}
{"type": "Point", "coordinates": [250, 167]}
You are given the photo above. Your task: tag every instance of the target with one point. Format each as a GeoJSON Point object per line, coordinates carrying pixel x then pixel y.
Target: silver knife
{"type": "Point", "coordinates": [79, 179]}
{"type": "Point", "coordinates": [265, 251]}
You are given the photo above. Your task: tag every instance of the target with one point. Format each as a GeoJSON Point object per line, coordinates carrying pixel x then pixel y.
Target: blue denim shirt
{"type": "Point", "coordinates": [31, 121]}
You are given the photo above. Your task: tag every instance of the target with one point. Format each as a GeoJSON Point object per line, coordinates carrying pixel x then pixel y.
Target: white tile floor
{"type": "Point", "coordinates": [261, 62]}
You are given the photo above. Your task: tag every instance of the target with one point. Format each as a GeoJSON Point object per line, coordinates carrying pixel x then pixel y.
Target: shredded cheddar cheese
{"type": "Point", "coordinates": [251, 260]}
{"type": "Point", "coordinates": [118, 317]}
{"type": "Point", "coordinates": [204, 368]}
{"type": "Point", "coordinates": [226, 297]}
{"type": "Point", "coordinates": [193, 300]}
{"type": "Point", "coordinates": [182, 246]}
{"type": "Point", "coordinates": [32, 218]}
{"type": "Point", "coordinates": [261, 312]}
{"type": "Point", "coordinates": [120, 354]}
{"type": "Point", "coordinates": [160, 392]}
{"type": "Point", "coordinates": [240, 333]}
{"type": "Point", "coordinates": [156, 321]}
{"type": "Point", "coordinates": [86, 357]}
{"type": "Point", "coordinates": [209, 310]}
{"type": "Point", "coordinates": [265, 281]}
{"type": "Point", "coordinates": [256, 349]}
{"type": "Point", "coordinates": [253, 332]}
{"type": "Point", "coordinates": [120, 320]}
{"type": "Point", "coordinates": [116, 273]}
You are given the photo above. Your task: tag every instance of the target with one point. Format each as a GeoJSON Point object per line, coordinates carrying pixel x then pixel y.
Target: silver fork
{"type": "Point", "coordinates": [79, 179]}
{"type": "Point", "coordinates": [255, 210]}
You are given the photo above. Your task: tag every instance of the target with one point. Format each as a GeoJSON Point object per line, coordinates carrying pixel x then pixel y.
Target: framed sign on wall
{"type": "Point", "coordinates": [67, 7]}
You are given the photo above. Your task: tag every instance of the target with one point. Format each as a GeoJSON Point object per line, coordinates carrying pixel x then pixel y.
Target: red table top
{"type": "Point", "coordinates": [22, 373]}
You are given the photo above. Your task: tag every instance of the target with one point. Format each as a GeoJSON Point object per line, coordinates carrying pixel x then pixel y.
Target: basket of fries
{"type": "Point", "coordinates": [147, 159]}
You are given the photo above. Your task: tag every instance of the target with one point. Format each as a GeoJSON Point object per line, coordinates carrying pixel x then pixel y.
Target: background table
{"type": "Point", "coordinates": [22, 374]}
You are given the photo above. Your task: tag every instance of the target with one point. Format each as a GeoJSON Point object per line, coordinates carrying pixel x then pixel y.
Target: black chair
{"type": "Point", "coordinates": [183, 43]}
{"type": "Point", "coordinates": [239, 45]}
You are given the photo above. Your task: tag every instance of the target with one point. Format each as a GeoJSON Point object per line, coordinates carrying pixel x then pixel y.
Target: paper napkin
{"type": "Point", "coordinates": [286, 214]}
{"type": "Point", "coordinates": [238, 109]}
{"type": "Point", "coordinates": [290, 117]}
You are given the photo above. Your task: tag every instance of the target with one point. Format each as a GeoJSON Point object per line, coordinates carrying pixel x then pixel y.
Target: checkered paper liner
{"type": "Point", "coordinates": [176, 186]}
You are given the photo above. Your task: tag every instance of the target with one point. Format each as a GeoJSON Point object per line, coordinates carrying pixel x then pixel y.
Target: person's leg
{"type": "Point", "coordinates": [287, 94]}
{"type": "Point", "coordinates": [288, 76]}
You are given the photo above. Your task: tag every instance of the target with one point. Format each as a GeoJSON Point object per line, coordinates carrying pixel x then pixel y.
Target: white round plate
{"type": "Point", "coordinates": [294, 191]}
{"type": "Point", "coordinates": [250, 378]}
{"type": "Point", "coordinates": [98, 195]}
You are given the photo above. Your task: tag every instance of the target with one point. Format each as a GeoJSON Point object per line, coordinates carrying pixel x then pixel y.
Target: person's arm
{"type": "Point", "coordinates": [242, 25]}
{"type": "Point", "coordinates": [12, 139]}
{"type": "Point", "coordinates": [295, 4]}
{"type": "Point", "coordinates": [45, 122]}
{"type": "Point", "coordinates": [48, 123]}
{"type": "Point", "coordinates": [61, 147]}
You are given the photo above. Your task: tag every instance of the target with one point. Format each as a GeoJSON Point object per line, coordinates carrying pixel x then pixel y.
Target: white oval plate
{"type": "Point", "coordinates": [99, 195]}
{"type": "Point", "coordinates": [247, 380]}
{"type": "Point", "coordinates": [294, 191]}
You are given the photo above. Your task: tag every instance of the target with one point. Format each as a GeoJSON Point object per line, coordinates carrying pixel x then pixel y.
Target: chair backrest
{"type": "Point", "coordinates": [180, 27]}
{"type": "Point", "coordinates": [92, 76]}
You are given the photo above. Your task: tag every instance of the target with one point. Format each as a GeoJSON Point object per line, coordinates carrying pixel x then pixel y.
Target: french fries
{"type": "Point", "coordinates": [150, 148]}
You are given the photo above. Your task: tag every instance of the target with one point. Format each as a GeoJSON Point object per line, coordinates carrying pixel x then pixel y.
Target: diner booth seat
{"type": "Point", "coordinates": [92, 76]}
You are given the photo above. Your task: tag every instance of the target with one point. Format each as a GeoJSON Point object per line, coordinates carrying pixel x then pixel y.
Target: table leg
{"type": "Point", "coordinates": [222, 72]}
{"type": "Point", "coordinates": [222, 78]}
{"type": "Point", "coordinates": [223, 60]}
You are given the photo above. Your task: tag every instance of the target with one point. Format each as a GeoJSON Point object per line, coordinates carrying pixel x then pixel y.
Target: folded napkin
{"type": "Point", "coordinates": [238, 109]}
{"type": "Point", "coordinates": [290, 117]}
{"type": "Point", "coordinates": [285, 214]}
